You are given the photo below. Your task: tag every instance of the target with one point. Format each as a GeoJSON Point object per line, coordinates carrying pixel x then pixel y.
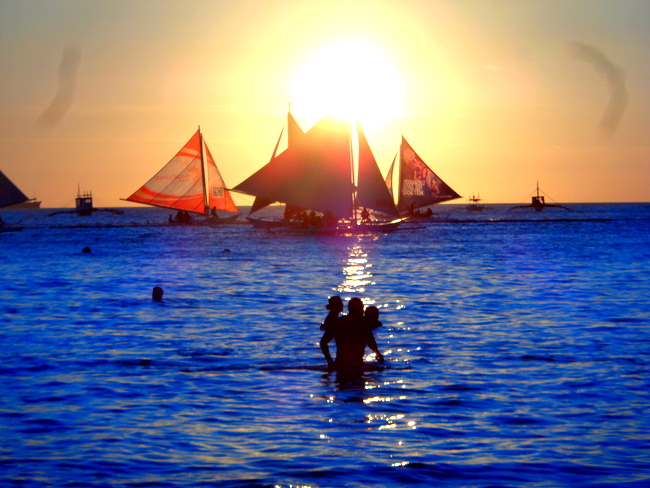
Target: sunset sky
{"type": "Point", "coordinates": [494, 95]}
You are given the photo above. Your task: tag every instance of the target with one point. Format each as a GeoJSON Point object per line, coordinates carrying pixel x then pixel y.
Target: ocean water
{"type": "Point", "coordinates": [517, 352]}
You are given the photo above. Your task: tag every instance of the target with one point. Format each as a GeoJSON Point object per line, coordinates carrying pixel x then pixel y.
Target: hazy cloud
{"type": "Point", "coordinates": [64, 95]}
{"type": "Point", "coordinates": [615, 79]}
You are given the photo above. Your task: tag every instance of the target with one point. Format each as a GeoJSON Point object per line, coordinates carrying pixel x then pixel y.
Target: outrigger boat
{"type": "Point", "coordinates": [84, 206]}
{"type": "Point", "coordinates": [473, 205]}
{"type": "Point", "coordinates": [190, 183]}
{"type": "Point", "coordinates": [314, 178]}
{"type": "Point", "coordinates": [538, 204]}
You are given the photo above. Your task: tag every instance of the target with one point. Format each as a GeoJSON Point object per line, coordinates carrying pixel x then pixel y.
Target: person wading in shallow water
{"type": "Point", "coordinates": [335, 307]}
{"type": "Point", "coordinates": [352, 333]}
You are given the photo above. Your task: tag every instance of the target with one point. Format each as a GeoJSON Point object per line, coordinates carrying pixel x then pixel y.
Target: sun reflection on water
{"type": "Point", "coordinates": [356, 271]}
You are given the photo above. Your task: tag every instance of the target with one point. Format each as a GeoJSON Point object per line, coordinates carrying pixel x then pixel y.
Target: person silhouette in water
{"type": "Point", "coordinates": [372, 314]}
{"type": "Point", "coordinates": [157, 294]}
{"type": "Point", "coordinates": [335, 307]}
{"type": "Point", "coordinates": [352, 333]}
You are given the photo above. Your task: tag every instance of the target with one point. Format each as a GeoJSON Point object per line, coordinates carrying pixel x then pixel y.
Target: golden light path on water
{"type": "Point", "coordinates": [357, 273]}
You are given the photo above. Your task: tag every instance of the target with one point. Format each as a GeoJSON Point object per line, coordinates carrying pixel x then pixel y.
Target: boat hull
{"type": "Point", "coordinates": [210, 221]}
{"type": "Point", "coordinates": [342, 228]}
{"type": "Point", "coordinates": [30, 204]}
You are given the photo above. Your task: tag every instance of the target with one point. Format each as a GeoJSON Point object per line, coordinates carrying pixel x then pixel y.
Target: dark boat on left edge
{"type": "Point", "coordinates": [10, 195]}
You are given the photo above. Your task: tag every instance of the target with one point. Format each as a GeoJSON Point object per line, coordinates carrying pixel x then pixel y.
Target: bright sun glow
{"type": "Point", "coordinates": [350, 79]}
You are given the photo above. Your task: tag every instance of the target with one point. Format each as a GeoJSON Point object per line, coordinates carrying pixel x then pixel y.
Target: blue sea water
{"type": "Point", "coordinates": [517, 352]}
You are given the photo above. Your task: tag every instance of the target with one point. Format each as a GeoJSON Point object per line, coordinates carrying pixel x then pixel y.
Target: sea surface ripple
{"type": "Point", "coordinates": [517, 353]}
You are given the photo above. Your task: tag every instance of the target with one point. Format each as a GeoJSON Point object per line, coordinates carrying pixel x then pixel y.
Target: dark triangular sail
{"type": "Point", "coordinates": [389, 177]}
{"type": "Point", "coordinates": [312, 173]}
{"type": "Point", "coordinates": [294, 132]}
{"type": "Point", "coordinates": [9, 193]}
{"type": "Point", "coordinates": [372, 191]}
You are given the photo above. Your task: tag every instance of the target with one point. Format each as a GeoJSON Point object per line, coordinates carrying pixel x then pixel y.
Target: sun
{"type": "Point", "coordinates": [351, 79]}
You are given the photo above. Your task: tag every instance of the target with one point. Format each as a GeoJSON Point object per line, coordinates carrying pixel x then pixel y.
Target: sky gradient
{"type": "Point", "coordinates": [493, 95]}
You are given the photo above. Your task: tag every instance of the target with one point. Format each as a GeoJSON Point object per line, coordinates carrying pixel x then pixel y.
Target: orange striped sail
{"type": "Point", "coordinates": [188, 182]}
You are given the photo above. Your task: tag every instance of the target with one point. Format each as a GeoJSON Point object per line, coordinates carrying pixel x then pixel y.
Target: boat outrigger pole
{"type": "Point", "coordinates": [354, 186]}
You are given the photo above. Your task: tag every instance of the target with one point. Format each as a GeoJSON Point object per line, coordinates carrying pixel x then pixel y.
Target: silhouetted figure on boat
{"type": "Point", "coordinates": [157, 294]}
{"type": "Point", "coordinates": [352, 334]}
{"type": "Point", "coordinates": [304, 220]}
{"type": "Point", "coordinates": [335, 307]}
{"type": "Point", "coordinates": [330, 220]}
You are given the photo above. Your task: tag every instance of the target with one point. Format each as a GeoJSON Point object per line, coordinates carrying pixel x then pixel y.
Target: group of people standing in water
{"type": "Point", "coordinates": [351, 333]}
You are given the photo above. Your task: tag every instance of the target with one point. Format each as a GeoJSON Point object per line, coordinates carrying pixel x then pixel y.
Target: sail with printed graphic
{"type": "Point", "coordinates": [419, 186]}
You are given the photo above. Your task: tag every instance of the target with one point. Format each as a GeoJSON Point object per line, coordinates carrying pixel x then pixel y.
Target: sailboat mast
{"type": "Point", "coordinates": [353, 127]}
{"type": "Point", "coordinates": [206, 203]}
{"type": "Point", "coordinates": [399, 173]}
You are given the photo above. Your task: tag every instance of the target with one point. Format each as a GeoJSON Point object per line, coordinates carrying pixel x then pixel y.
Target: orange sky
{"type": "Point", "coordinates": [493, 95]}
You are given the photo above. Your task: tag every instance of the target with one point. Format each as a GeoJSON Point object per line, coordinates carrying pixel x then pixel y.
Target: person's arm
{"type": "Point", "coordinates": [325, 340]}
{"type": "Point", "coordinates": [372, 344]}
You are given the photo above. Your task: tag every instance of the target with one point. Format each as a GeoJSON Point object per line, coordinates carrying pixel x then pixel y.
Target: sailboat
{"type": "Point", "coordinates": [473, 205]}
{"type": "Point", "coordinates": [315, 173]}
{"type": "Point", "coordinates": [189, 182]}
{"type": "Point", "coordinates": [538, 204]}
{"type": "Point", "coordinates": [9, 195]}
{"type": "Point", "coordinates": [419, 186]}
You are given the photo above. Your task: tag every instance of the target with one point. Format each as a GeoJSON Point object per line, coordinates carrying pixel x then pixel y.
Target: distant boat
{"type": "Point", "coordinates": [84, 203]}
{"type": "Point", "coordinates": [10, 195]}
{"type": "Point", "coordinates": [473, 205]}
{"type": "Point", "coordinates": [84, 206]}
{"type": "Point", "coordinates": [419, 187]}
{"type": "Point", "coordinates": [314, 176]}
{"type": "Point", "coordinates": [189, 182]}
{"type": "Point", "coordinates": [538, 204]}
